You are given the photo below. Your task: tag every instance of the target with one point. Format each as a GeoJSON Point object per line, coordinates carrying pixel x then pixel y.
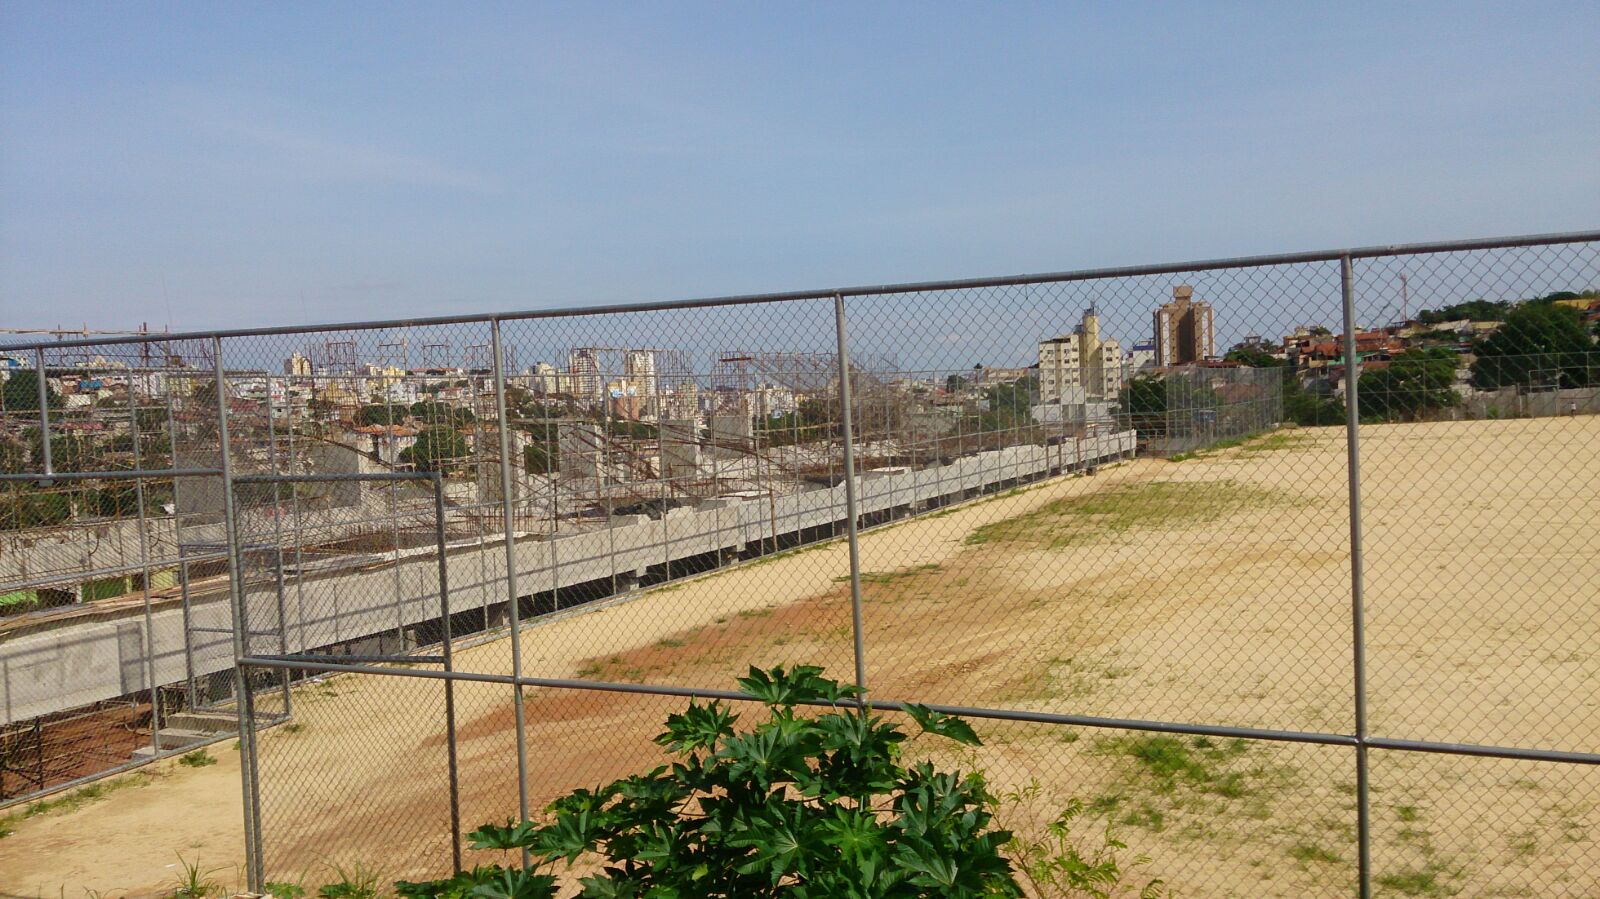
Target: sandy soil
{"type": "Point", "coordinates": [1215, 589]}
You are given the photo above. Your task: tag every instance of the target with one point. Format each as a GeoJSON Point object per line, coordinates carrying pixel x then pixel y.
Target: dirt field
{"type": "Point", "coordinates": [1210, 590]}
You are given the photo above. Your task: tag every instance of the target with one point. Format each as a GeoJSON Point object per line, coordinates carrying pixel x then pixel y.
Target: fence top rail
{"type": "Point", "coordinates": [118, 474]}
{"type": "Point", "coordinates": [1412, 249]}
{"type": "Point", "coordinates": [332, 478]}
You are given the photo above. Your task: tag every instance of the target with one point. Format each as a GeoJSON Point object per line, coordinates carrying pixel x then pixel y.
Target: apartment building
{"type": "Point", "coordinates": [1080, 364]}
{"type": "Point", "coordinates": [1183, 330]}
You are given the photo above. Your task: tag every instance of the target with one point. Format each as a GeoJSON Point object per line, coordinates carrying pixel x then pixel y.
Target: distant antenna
{"type": "Point", "coordinates": [1405, 299]}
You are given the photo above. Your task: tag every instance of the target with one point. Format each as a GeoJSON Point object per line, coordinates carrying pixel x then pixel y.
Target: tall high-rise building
{"type": "Point", "coordinates": [297, 365]}
{"type": "Point", "coordinates": [584, 365]}
{"type": "Point", "coordinates": [1073, 367]}
{"type": "Point", "coordinates": [639, 366]}
{"type": "Point", "coordinates": [1183, 329]}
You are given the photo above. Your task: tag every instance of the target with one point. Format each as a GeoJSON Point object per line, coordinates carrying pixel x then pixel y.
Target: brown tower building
{"type": "Point", "coordinates": [1183, 329]}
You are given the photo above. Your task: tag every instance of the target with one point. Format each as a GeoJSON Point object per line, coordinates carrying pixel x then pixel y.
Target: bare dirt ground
{"type": "Point", "coordinates": [1210, 590]}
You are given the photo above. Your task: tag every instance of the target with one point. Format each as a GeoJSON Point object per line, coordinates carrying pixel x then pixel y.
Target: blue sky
{"type": "Point", "coordinates": [221, 165]}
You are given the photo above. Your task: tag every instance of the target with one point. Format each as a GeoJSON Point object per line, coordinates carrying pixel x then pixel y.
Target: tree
{"type": "Point", "coordinates": [13, 456]}
{"type": "Point", "coordinates": [21, 392]}
{"type": "Point", "coordinates": [1254, 356]}
{"type": "Point", "coordinates": [624, 427]}
{"type": "Point", "coordinates": [1539, 344]}
{"type": "Point", "coordinates": [1144, 404]}
{"type": "Point", "coordinates": [1299, 405]}
{"type": "Point", "coordinates": [541, 458]}
{"type": "Point", "coordinates": [1161, 406]}
{"type": "Point", "coordinates": [24, 506]}
{"type": "Point", "coordinates": [1471, 310]}
{"type": "Point", "coordinates": [68, 452]}
{"type": "Point", "coordinates": [804, 803]}
{"type": "Point", "coordinates": [436, 449]}
{"type": "Point", "coordinates": [1309, 409]}
{"type": "Point", "coordinates": [441, 414]}
{"type": "Point", "coordinates": [376, 414]}
{"type": "Point", "coordinates": [1415, 382]}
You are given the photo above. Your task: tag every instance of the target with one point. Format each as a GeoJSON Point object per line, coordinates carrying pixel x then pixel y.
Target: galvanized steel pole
{"type": "Point", "coordinates": [449, 666]}
{"type": "Point", "coordinates": [277, 543]}
{"type": "Point", "coordinates": [183, 559]}
{"type": "Point", "coordinates": [850, 492]}
{"type": "Point", "coordinates": [144, 576]}
{"type": "Point", "coordinates": [241, 678]}
{"type": "Point", "coordinates": [1352, 376]}
{"type": "Point", "coordinates": [44, 410]}
{"type": "Point", "coordinates": [514, 601]}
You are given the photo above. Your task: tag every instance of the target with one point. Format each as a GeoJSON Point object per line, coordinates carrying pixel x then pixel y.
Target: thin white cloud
{"type": "Point", "coordinates": [337, 160]}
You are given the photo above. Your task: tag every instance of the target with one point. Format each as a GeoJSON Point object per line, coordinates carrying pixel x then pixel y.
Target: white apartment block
{"type": "Point", "coordinates": [639, 366]}
{"type": "Point", "coordinates": [1082, 364]}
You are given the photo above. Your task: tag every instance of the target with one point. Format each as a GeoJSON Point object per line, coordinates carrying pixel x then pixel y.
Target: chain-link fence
{"type": "Point", "coordinates": [1281, 630]}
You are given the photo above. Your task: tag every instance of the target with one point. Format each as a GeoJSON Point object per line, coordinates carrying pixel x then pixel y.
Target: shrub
{"type": "Point", "coordinates": [798, 805]}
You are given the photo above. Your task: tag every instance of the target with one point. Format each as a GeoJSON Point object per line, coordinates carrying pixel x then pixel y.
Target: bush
{"type": "Point", "coordinates": [798, 805]}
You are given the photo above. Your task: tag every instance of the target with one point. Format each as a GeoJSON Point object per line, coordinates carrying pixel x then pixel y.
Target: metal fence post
{"type": "Point", "coordinates": [449, 666]}
{"type": "Point", "coordinates": [851, 513]}
{"type": "Point", "coordinates": [183, 560]}
{"type": "Point", "coordinates": [144, 577]}
{"type": "Point", "coordinates": [44, 411]}
{"type": "Point", "coordinates": [277, 543]}
{"type": "Point", "coordinates": [241, 677]}
{"type": "Point", "coordinates": [1357, 593]}
{"type": "Point", "coordinates": [511, 565]}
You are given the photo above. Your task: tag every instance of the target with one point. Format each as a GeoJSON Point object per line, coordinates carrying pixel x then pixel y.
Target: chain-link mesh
{"type": "Point", "coordinates": [1118, 505]}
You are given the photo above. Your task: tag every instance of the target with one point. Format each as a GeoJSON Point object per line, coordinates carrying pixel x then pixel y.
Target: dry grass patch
{"type": "Point", "coordinates": [1089, 518]}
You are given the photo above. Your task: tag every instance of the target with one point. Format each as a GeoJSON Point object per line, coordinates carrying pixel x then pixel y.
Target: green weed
{"type": "Point", "coordinates": [1311, 852]}
{"type": "Point", "coordinates": [1146, 816]}
{"type": "Point", "coordinates": [1277, 440]}
{"type": "Point", "coordinates": [1416, 882]}
{"type": "Point", "coordinates": [1247, 445]}
{"type": "Point", "coordinates": [83, 796]}
{"type": "Point", "coordinates": [195, 882]}
{"type": "Point", "coordinates": [200, 758]}
{"type": "Point", "coordinates": [1106, 803]}
{"type": "Point", "coordinates": [282, 889]}
{"type": "Point", "coordinates": [355, 882]}
{"type": "Point", "coordinates": [1169, 759]}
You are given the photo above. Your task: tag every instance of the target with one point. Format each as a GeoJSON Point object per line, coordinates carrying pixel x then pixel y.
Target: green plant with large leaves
{"type": "Point", "coordinates": [800, 805]}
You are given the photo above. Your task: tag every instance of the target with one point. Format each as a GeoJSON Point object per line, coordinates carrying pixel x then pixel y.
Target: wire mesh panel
{"type": "Point", "coordinates": [1458, 826]}
{"type": "Point", "coordinates": [1204, 580]}
{"type": "Point", "coordinates": [96, 552]}
{"type": "Point", "coordinates": [364, 763]}
{"type": "Point", "coordinates": [664, 445]}
{"type": "Point", "coordinates": [1118, 518]}
{"type": "Point", "coordinates": [1482, 505]}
